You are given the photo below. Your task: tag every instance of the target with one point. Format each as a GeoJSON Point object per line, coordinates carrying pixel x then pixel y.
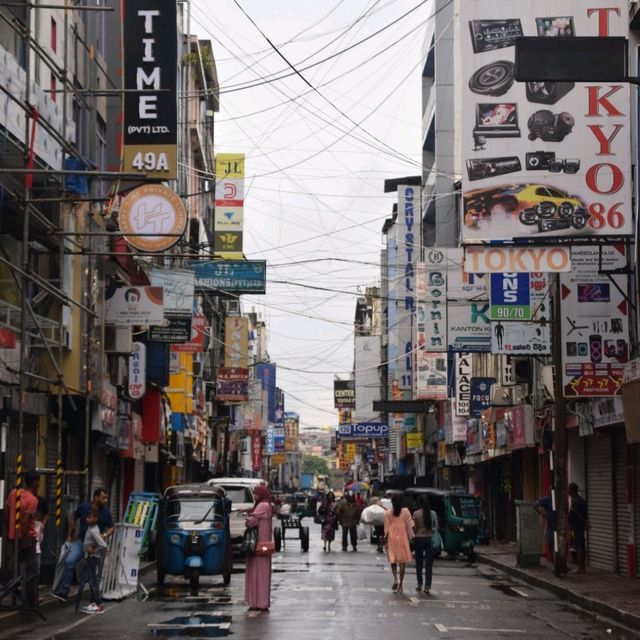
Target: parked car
{"type": "Point", "coordinates": [240, 492]}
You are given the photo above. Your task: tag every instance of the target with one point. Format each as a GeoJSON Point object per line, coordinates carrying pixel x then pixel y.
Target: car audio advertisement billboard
{"type": "Point", "coordinates": [542, 159]}
{"type": "Point", "coordinates": [595, 322]}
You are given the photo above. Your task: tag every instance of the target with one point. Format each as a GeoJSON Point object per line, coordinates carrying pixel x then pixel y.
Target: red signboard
{"type": "Point", "coordinates": [196, 344]}
{"type": "Point", "coordinates": [256, 452]}
{"type": "Point", "coordinates": [233, 384]}
{"type": "Point", "coordinates": [7, 339]}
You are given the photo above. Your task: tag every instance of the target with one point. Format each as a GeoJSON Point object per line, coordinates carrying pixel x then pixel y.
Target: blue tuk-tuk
{"type": "Point", "coordinates": [193, 534]}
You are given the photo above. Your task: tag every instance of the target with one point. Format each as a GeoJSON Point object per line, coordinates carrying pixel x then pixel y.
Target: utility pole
{"type": "Point", "coordinates": [558, 455]}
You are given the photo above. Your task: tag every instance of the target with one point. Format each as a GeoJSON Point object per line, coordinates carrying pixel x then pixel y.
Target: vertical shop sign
{"type": "Point", "coordinates": [150, 132]}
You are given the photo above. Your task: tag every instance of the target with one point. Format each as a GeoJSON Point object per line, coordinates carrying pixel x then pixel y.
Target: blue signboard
{"type": "Point", "coordinates": [364, 430]}
{"type": "Point", "coordinates": [480, 395]}
{"type": "Point", "coordinates": [510, 296]}
{"type": "Point", "coordinates": [233, 276]}
{"type": "Point", "coordinates": [267, 373]}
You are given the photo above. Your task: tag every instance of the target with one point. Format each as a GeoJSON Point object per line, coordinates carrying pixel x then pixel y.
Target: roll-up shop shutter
{"type": "Point", "coordinates": [138, 475]}
{"type": "Point", "coordinates": [636, 502]}
{"type": "Point", "coordinates": [623, 515]}
{"type": "Point", "coordinates": [599, 496]}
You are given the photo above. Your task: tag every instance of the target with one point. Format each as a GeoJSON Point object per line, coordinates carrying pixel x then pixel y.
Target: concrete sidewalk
{"type": "Point", "coordinates": [49, 603]}
{"type": "Point", "coordinates": [607, 594]}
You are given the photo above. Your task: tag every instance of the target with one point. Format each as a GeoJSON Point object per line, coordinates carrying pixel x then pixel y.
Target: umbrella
{"type": "Point", "coordinates": [358, 486]}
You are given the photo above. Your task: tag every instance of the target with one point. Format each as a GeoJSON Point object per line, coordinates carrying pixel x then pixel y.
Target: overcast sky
{"type": "Point", "coordinates": [319, 144]}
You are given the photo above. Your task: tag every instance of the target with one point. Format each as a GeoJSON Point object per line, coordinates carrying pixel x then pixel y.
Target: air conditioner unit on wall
{"type": "Point", "coordinates": [510, 396]}
{"type": "Point", "coordinates": [118, 339]}
{"type": "Point", "coordinates": [232, 307]}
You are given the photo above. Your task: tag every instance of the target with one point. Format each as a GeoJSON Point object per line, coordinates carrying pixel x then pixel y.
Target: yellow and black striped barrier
{"type": "Point", "coordinates": [19, 473]}
{"type": "Point", "coordinates": [59, 479]}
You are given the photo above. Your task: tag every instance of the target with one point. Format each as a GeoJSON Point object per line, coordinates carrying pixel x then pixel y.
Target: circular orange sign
{"type": "Point", "coordinates": [152, 218]}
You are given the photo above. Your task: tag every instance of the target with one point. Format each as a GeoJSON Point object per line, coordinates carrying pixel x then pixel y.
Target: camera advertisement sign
{"type": "Point", "coordinates": [595, 322]}
{"type": "Point", "coordinates": [150, 129]}
{"type": "Point", "coordinates": [542, 159]}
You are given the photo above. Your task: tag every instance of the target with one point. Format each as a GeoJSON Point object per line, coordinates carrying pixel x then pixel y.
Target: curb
{"type": "Point", "coordinates": [8, 619]}
{"type": "Point", "coordinates": [590, 604]}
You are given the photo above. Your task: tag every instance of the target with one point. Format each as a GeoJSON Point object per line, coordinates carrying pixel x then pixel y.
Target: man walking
{"type": "Point", "coordinates": [348, 517]}
{"type": "Point", "coordinates": [579, 524]}
{"type": "Point", "coordinates": [26, 534]}
{"type": "Point", "coordinates": [76, 550]}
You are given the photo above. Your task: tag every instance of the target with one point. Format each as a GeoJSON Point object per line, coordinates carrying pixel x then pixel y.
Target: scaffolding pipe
{"type": "Point", "coordinates": [45, 285]}
{"type": "Point", "coordinates": [23, 305]}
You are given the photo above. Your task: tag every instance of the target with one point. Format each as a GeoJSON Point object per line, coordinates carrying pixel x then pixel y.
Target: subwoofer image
{"type": "Point", "coordinates": [548, 92]}
{"type": "Point", "coordinates": [549, 126]}
{"type": "Point", "coordinates": [494, 79]}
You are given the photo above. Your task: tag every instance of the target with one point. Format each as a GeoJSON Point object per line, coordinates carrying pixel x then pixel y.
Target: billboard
{"type": "Point", "coordinates": [236, 342]}
{"type": "Point", "coordinates": [131, 306]}
{"type": "Point", "coordinates": [150, 129]}
{"type": "Point", "coordinates": [595, 322]}
{"type": "Point", "coordinates": [232, 385]}
{"type": "Point", "coordinates": [464, 371]}
{"type": "Point", "coordinates": [542, 159]}
{"type": "Point", "coordinates": [431, 375]}
{"type": "Point", "coordinates": [364, 430]}
{"type": "Point", "coordinates": [344, 394]}
{"type": "Point", "coordinates": [228, 220]}
{"type": "Point", "coordinates": [231, 276]}
{"type": "Point", "coordinates": [510, 335]}
{"type": "Point", "coordinates": [469, 327]}
{"type": "Point", "coordinates": [152, 218]}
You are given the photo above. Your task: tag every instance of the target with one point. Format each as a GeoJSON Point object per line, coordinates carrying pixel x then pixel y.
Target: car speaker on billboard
{"type": "Point", "coordinates": [575, 59]}
{"type": "Point", "coordinates": [548, 92]}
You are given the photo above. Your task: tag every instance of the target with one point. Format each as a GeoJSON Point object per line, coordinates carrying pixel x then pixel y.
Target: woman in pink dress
{"type": "Point", "coordinates": [397, 522]}
{"type": "Point", "coordinates": [257, 582]}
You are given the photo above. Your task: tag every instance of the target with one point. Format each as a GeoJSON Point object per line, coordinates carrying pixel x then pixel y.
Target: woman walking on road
{"type": "Point", "coordinates": [423, 519]}
{"type": "Point", "coordinates": [329, 514]}
{"type": "Point", "coordinates": [397, 524]}
{"type": "Point", "coordinates": [257, 584]}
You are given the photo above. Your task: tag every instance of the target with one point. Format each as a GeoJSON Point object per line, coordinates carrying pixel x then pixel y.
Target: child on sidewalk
{"type": "Point", "coordinates": [95, 547]}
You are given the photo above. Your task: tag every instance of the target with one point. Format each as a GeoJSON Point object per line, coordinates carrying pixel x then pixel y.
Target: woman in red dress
{"type": "Point", "coordinates": [257, 585]}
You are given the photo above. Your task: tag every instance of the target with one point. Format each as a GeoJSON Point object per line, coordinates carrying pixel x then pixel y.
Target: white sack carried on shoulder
{"type": "Point", "coordinates": [373, 515]}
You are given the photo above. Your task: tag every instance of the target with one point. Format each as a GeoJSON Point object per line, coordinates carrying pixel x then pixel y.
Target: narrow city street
{"type": "Point", "coordinates": [336, 595]}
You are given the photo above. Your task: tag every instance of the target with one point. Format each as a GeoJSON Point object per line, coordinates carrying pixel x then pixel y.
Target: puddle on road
{"type": "Point", "coordinates": [207, 626]}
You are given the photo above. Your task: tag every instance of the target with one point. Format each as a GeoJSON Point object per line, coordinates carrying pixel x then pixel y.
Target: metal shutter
{"type": "Point", "coordinates": [623, 515]}
{"type": "Point", "coordinates": [138, 475]}
{"type": "Point", "coordinates": [636, 502]}
{"type": "Point", "coordinates": [599, 496]}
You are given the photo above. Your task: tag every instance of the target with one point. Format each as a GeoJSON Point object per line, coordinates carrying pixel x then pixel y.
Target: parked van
{"type": "Point", "coordinates": [240, 492]}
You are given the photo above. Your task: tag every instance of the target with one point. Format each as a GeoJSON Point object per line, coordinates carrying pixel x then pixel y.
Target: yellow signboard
{"type": "Point", "coordinates": [350, 452]}
{"type": "Point", "coordinates": [236, 342]}
{"type": "Point", "coordinates": [229, 165]}
{"type": "Point", "coordinates": [414, 441]}
{"type": "Point", "coordinates": [278, 458]}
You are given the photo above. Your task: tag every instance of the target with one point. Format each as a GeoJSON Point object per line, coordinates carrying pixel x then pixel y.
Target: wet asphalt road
{"type": "Point", "coordinates": [340, 595]}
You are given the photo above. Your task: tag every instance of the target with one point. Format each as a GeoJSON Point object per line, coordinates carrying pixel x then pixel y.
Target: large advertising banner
{"type": "Point", "coordinates": [408, 235]}
{"type": "Point", "coordinates": [542, 159]}
{"type": "Point", "coordinates": [236, 342]}
{"type": "Point", "coordinates": [431, 376]}
{"type": "Point", "coordinates": [595, 322]}
{"type": "Point", "coordinates": [228, 221]}
{"type": "Point", "coordinates": [150, 129]}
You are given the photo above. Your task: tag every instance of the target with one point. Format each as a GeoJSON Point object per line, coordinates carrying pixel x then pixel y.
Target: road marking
{"type": "Point", "coordinates": [443, 629]}
{"type": "Point", "coordinates": [520, 593]}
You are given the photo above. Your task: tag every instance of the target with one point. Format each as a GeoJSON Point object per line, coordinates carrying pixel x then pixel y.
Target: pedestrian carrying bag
{"type": "Point", "coordinates": [265, 548]}
{"type": "Point", "coordinates": [249, 540]}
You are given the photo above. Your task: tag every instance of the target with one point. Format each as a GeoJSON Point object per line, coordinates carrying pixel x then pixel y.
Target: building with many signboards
{"type": "Point", "coordinates": [520, 363]}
